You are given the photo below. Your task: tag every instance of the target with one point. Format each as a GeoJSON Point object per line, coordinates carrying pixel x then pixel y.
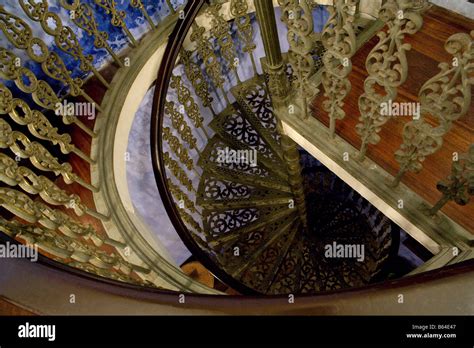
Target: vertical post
{"type": "Point", "coordinates": [291, 156]}
{"type": "Point", "coordinates": [278, 86]}
{"type": "Point", "coordinates": [274, 66]}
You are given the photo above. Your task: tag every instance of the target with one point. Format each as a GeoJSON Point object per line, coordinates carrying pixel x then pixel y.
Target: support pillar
{"type": "Point", "coordinates": [273, 64]}
{"type": "Point", "coordinates": [279, 87]}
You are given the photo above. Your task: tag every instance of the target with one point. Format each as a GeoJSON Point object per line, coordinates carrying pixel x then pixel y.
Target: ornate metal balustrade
{"type": "Point", "coordinates": [443, 99]}
{"type": "Point", "coordinates": [246, 214]}
{"type": "Point", "coordinates": [388, 68]}
{"type": "Point", "coordinates": [247, 221]}
{"type": "Point", "coordinates": [447, 97]}
{"type": "Point", "coordinates": [339, 41]}
{"type": "Point", "coordinates": [246, 218]}
{"type": "Point", "coordinates": [298, 17]}
{"type": "Point", "coordinates": [45, 68]}
{"type": "Point", "coordinates": [459, 186]}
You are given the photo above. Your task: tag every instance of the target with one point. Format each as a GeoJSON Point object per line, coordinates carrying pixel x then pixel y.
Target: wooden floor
{"type": "Point", "coordinates": [427, 52]}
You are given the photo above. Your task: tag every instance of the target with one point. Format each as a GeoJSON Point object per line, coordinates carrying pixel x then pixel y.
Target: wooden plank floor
{"type": "Point", "coordinates": [427, 52]}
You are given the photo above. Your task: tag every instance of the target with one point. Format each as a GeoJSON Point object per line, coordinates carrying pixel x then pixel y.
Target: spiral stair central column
{"type": "Point", "coordinates": [273, 64]}
{"type": "Point", "coordinates": [279, 87]}
{"type": "Point", "coordinates": [292, 159]}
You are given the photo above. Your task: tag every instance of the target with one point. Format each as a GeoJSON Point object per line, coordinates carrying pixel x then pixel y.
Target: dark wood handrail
{"type": "Point", "coordinates": [159, 99]}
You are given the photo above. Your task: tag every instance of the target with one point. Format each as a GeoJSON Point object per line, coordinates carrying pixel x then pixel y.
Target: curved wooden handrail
{"type": "Point", "coordinates": [162, 83]}
{"type": "Point", "coordinates": [424, 293]}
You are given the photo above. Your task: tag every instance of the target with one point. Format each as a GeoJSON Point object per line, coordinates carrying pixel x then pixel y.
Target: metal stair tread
{"type": "Point", "coordinates": [273, 163]}
{"type": "Point", "coordinates": [268, 242]}
{"type": "Point", "coordinates": [254, 225]}
{"type": "Point", "coordinates": [254, 120]}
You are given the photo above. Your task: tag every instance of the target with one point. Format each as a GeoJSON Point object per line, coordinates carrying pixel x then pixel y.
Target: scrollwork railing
{"type": "Point", "coordinates": [220, 30]}
{"type": "Point", "coordinates": [458, 186]}
{"type": "Point", "coordinates": [388, 68]}
{"type": "Point", "coordinates": [208, 55]}
{"type": "Point", "coordinates": [41, 91]}
{"type": "Point", "coordinates": [447, 97]}
{"type": "Point", "coordinates": [298, 17]}
{"type": "Point", "coordinates": [64, 36]}
{"type": "Point", "coordinates": [239, 9]}
{"type": "Point", "coordinates": [46, 138]}
{"type": "Point", "coordinates": [339, 40]}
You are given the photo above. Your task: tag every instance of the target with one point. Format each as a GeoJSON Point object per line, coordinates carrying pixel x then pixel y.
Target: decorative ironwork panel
{"type": "Point", "coordinates": [232, 123]}
{"type": "Point", "coordinates": [64, 37]}
{"type": "Point", "coordinates": [179, 123]}
{"type": "Point", "coordinates": [287, 279]}
{"type": "Point", "coordinates": [41, 92]}
{"type": "Point", "coordinates": [216, 190]}
{"type": "Point", "coordinates": [186, 99]}
{"type": "Point", "coordinates": [84, 18]}
{"type": "Point", "coordinates": [207, 54]}
{"type": "Point", "coordinates": [117, 17]}
{"type": "Point", "coordinates": [298, 17]}
{"type": "Point", "coordinates": [339, 40]}
{"type": "Point", "coordinates": [388, 68]}
{"type": "Point", "coordinates": [73, 251]}
{"type": "Point", "coordinates": [38, 124]}
{"type": "Point", "coordinates": [265, 261]}
{"type": "Point", "coordinates": [226, 222]}
{"type": "Point", "coordinates": [20, 35]}
{"type": "Point", "coordinates": [178, 172]}
{"type": "Point", "coordinates": [447, 97]}
{"type": "Point", "coordinates": [220, 29]}
{"type": "Point", "coordinates": [458, 186]}
{"type": "Point", "coordinates": [178, 149]}
{"type": "Point", "coordinates": [196, 77]}
{"type": "Point", "coordinates": [14, 175]}
{"type": "Point", "coordinates": [38, 155]}
{"type": "Point", "coordinates": [420, 140]}
{"type": "Point", "coordinates": [181, 196]}
{"type": "Point", "coordinates": [239, 9]}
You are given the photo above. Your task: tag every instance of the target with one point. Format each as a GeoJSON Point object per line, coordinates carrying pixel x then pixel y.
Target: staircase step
{"type": "Point", "coordinates": [249, 179]}
{"type": "Point", "coordinates": [249, 203]}
{"type": "Point", "coordinates": [236, 131]}
{"type": "Point", "coordinates": [225, 239]}
{"type": "Point", "coordinates": [286, 280]}
{"type": "Point", "coordinates": [268, 135]}
{"type": "Point", "coordinates": [272, 245]}
{"type": "Point", "coordinates": [247, 245]}
{"type": "Point", "coordinates": [309, 277]}
{"type": "Point", "coordinates": [215, 153]}
{"type": "Point", "coordinates": [213, 189]}
{"type": "Point", "coordinates": [285, 247]}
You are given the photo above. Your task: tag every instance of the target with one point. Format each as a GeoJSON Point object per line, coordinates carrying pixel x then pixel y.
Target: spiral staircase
{"type": "Point", "coordinates": [260, 189]}
{"type": "Point", "coordinates": [253, 230]}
